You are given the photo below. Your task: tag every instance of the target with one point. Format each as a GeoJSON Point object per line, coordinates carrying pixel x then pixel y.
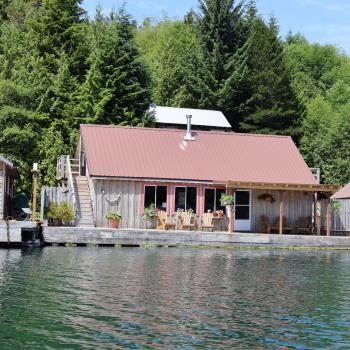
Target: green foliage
{"type": "Point", "coordinates": [272, 107]}
{"type": "Point", "coordinates": [63, 212]}
{"type": "Point", "coordinates": [149, 212]}
{"type": "Point", "coordinates": [113, 215]}
{"type": "Point", "coordinates": [172, 51]}
{"type": "Point", "coordinates": [226, 199]}
{"type": "Point", "coordinates": [116, 89]}
{"type": "Point", "coordinates": [58, 68]}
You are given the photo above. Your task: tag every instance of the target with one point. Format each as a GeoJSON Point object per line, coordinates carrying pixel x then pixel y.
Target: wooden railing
{"type": "Point", "coordinates": [64, 172]}
{"type": "Point", "coordinates": [71, 184]}
{"type": "Point", "coordinates": [61, 169]}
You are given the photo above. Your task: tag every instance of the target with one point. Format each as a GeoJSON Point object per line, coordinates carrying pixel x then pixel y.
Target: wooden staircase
{"type": "Point", "coordinates": [85, 216]}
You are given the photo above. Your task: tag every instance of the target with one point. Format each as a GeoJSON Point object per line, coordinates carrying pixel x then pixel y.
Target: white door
{"type": "Point", "coordinates": [242, 210]}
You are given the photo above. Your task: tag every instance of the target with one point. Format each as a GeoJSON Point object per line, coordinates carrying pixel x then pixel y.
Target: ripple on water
{"type": "Point", "coordinates": [88, 298]}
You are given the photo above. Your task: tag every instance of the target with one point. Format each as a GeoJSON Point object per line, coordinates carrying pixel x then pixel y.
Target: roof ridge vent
{"type": "Point", "coordinates": [189, 136]}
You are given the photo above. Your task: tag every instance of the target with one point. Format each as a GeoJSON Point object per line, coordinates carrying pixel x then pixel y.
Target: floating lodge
{"type": "Point", "coordinates": [184, 165]}
{"type": "Point", "coordinates": [125, 169]}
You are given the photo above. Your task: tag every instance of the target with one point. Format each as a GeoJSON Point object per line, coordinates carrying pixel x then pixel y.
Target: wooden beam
{"type": "Point", "coordinates": [283, 186]}
{"type": "Point", "coordinates": [281, 212]}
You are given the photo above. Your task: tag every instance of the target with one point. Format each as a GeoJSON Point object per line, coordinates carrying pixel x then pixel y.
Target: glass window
{"type": "Point", "coordinates": [242, 212]}
{"type": "Point", "coordinates": [212, 198]}
{"type": "Point", "coordinates": [150, 195]}
{"type": "Point", "coordinates": [191, 198]}
{"type": "Point", "coordinates": [186, 198]}
{"type": "Point", "coordinates": [180, 198]}
{"type": "Point", "coordinates": [219, 191]}
{"type": "Point", "coordinates": [161, 197]}
{"type": "Point", "coordinates": [156, 195]}
{"type": "Point", "coordinates": [242, 198]}
{"type": "Point", "coordinates": [209, 197]}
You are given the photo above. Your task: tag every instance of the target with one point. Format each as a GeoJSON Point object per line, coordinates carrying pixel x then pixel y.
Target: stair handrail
{"type": "Point", "coordinates": [71, 184]}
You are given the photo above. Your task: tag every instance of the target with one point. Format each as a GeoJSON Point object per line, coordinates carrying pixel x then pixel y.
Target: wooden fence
{"type": "Point", "coordinates": [53, 195]}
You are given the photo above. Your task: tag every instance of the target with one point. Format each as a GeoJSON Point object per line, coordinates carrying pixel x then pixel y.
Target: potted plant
{"type": "Point", "coordinates": [226, 199]}
{"type": "Point", "coordinates": [61, 214]}
{"type": "Point", "coordinates": [113, 218]}
{"type": "Point", "coordinates": [150, 216]}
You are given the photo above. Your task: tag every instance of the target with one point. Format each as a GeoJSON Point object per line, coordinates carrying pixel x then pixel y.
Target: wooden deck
{"type": "Point", "coordinates": [139, 237]}
{"type": "Point", "coordinates": [12, 232]}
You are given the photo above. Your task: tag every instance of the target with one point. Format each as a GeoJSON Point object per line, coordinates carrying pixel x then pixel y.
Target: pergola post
{"type": "Point", "coordinates": [231, 218]}
{"type": "Point", "coordinates": [328, 217]}
{"type": "Point", "coordinates": [314, 214]}
{"type": "Point", "coordinates": [281, 212]}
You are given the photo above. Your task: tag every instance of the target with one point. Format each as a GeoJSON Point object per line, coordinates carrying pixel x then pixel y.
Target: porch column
{"type": "Point", "coordinates": [314, 214]}
{"type": "Point", "coordinates": [231, 221]}
{"type": "Point", "coordinates": [281, 212]}
{"type": "Point", "coordinates": [319, 217]}
{"type": "Point", "coordinates": [328, 217]}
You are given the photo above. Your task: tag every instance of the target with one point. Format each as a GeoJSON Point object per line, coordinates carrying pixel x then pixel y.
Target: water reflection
{"type": "Point", "coordinates": [120, 298]}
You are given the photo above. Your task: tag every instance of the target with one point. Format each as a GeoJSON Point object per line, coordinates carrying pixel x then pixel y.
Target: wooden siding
{"type": "Point", "coordinates": [2, 191]}
{"type": "Point", "coordinates": [341, 216]}
{"type": "Point", "coordinates": [105, 199]}
{"type": "Point", "coordinates": [53, 195]}
{"type": "Point", "coordinates": [105, 194]}
{"type": "Point", "coordinates": [296, 204]}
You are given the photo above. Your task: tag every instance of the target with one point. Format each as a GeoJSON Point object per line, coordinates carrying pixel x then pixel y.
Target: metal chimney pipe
{"type": "Point", "coordinates": [189, 136]}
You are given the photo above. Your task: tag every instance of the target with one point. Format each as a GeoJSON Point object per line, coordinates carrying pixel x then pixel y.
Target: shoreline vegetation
{"type": "Point", "coordinates": [59, 68]}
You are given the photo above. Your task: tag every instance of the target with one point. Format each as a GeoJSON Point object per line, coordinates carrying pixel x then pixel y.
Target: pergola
{"type": "Point", "coordinates": [232, 186]}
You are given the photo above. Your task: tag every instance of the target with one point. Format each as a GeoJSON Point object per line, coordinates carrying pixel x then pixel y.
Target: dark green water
{"type": "Point", "coordinates": [121, 298]}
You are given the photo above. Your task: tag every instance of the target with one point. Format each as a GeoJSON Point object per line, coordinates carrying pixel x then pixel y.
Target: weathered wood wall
{"type": "Point", "coordinates": [296, 204]}
{"type": "Point", "coordinates": [53, 195]}
{"type": "Point", "coordinates": [105, 194]}
{"type": "Point", "coordinates": [341, 216]}
{"type": "Point", "coordinates": [2, 181]}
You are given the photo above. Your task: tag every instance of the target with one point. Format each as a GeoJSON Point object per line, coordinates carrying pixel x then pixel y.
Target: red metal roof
{"type": "Point", "coordinates": [344, 192]}
{"type": "Point", "coordinates": [113, 151]}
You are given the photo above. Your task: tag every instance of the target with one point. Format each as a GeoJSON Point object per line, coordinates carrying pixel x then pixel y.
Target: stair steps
{"type": "Point", "coordinates": [85, 216]}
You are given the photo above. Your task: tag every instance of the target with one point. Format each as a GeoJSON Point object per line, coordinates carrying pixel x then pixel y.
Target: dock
{"type": "Point", "coordinates": [144, 237]}
{"type": "Point", "coordinates": [15, 232]}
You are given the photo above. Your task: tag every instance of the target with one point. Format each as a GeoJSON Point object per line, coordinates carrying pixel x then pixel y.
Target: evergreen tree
{"type": "Point", "coordinates": [172, 50]}
{"type": "Point", "coordinates": [272, 107]}
{"type": "Point", "coordinates": [222, 34]}
{"type": "Point", "coordinates": [116, 90]}
{"type": "Point", "coordinates": [56, 27]}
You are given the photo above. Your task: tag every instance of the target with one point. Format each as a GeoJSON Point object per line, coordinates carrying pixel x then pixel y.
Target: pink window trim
{"type": "Point", "coordinates": [168, 186]}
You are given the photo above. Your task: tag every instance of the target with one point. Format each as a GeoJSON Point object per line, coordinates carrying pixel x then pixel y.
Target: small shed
{"type": "Point", "coordinates": [341, 211]}
{"type": "Point", "coordinates": [8, 174]}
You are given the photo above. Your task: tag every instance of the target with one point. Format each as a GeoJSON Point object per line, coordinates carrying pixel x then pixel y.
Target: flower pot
{"type": "Point", "coordinates": [113, 223]}
{"type": "Point", "coordinates": [57, 222]}
{"type": "Point", "coordinates": [150, 224]}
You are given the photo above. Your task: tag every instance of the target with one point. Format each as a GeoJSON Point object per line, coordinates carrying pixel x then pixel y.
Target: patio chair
{"type": "Point", "coordinates": [286, 228]}
{"type": "Point", "coordinates": [186, 219]}
{"type": "Point", "coordinates": [265, 226]}
{"type": "Point", "coordinates": [207, 219]}
{"type": "Point", "coordinates": [303, 224]}
{"type": "Point", "coordinates": [162, 221]}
